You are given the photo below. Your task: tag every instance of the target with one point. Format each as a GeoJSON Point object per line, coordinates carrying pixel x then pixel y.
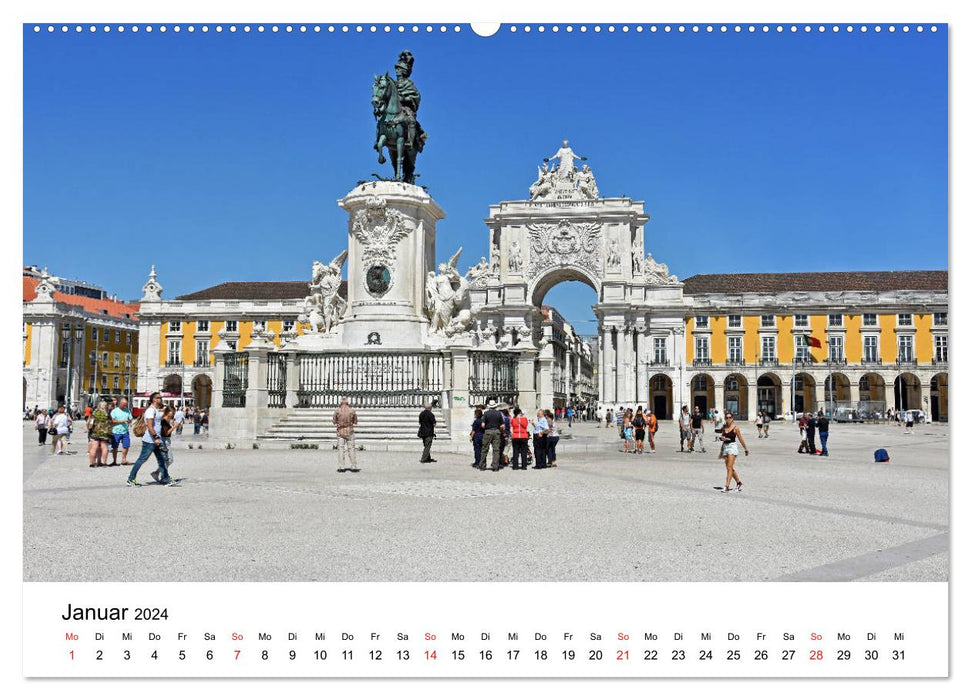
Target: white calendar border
{"type": "Point", "coordinates": [605, 10]}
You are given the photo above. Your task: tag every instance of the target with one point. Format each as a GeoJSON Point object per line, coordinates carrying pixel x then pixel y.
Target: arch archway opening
{"type": "Point", "coordinates": [202, 391]}
{"type": "Point", "coordinates": [736, 396]}
{"type": "Point", "coordinates": [804, 393]}
{"type": "Point", "coordinates": [661, 399]}
{"type": "Point", "coordinates": [172, 384]}
{"type": "Point", "coordinates": [563, 301]}
{"type": "Point", "coordinates": [873, 396]}
{"type": "Point", "coordinates": [939, 397]}
{"type": "Point", "coordinates": [769, 394]}
{"type": "Point", "coordinates": [702, 393]}
{"type": "Point", "coordinates": [836, 392]}
{"type": "Point", "coordinates": [907, 392]}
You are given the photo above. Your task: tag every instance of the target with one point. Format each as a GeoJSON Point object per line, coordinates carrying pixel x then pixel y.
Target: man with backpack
{"type": "Point", "coordinates": [651, 428]}
{"type": "Point", "coordinates": [639, 423]}
{"type": "Point", "coordinates": [149, 428]}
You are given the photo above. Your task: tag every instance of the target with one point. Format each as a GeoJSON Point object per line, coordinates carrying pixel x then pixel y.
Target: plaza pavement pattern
{"type": "Point", "coordinates": [287, 515]}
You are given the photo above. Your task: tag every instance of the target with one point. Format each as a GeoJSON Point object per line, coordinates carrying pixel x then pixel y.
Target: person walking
{"type": "Point", "coordinates": [698, 430]}
{"type": "Point", "coordinates": [205, 422]}
{"type": "Point", "coordinates": [493, 426]}
{"type": "Point", "coordinates": [519, 429]}
{"type": "Point", "coordinates": [196, 422]}
{"type": "Point", "coordinates": [811, 434]}
{"type": "Point", "coordinates": [540, 438]}
{"type": "Point", "coordinates": [345, 418]}
{"type": "Point", "coordinates": [909, 422]}
{"type": "Point", "coordinates": [684, 424]}
{"type": "Point", "coordinates": [718, 424]}
{"type": "Point", "coordinates": [99, 435]}
{"type": "Point", "coordinates": [426, 431]}
{"type": "Point", "coordinates": [553, 437]}
{"type": "Point", "coordinates": [651, 428]}
{"type": "Point", "coordinates": [168, 427]}
{"type": "Point", "coordinates": [179, 419]}
{"type": "Point", "coordinates": [569, 417]}
{"type": "Point", "coordinates": [40, 425]}
{"type": "Point", "coordinates": [731, 438]}
{"type": "Point", "coordinates": [151, 441]}
{"type": "Point", "coordinates": [822, 425]}
{"type": "Point", "coordinates": [59, 427]}
{"type": "Point", "coordinates": [758, 423]}
{"type": "Point", "coordinates": [766, 421]}
{"type": "Point", "coordinates": [121, 418]}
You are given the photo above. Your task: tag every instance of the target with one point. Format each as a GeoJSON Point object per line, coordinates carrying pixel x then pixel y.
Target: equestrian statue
{"type": "Point", "coordinates": [395, 104]}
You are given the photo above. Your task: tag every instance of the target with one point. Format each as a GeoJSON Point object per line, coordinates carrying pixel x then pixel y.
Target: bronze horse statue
{"type": "Point", "coordinates": [397, 129]}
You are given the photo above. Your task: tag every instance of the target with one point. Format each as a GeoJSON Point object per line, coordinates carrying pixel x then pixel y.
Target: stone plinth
{"type": "Point", "coordinates": [390, 253]}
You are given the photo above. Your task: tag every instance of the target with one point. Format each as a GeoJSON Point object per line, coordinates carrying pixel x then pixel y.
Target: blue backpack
{"type": "Point", "coordinates": [881, 455]}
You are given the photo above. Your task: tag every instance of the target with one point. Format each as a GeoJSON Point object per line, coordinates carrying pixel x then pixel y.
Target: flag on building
{"type": "Point", "coordinates": [811, 341]}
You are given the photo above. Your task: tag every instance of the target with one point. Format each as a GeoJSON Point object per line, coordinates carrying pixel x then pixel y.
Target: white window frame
{"type": "Point", "coordinates": [908, 322]}
{"type": "Point", "coordinates": [702, 342]}
{"type": "Point", "coordinates": [905, 342]}
{"type": "Point", "coordinates": [660, 350]}
{"type": "Point", "coordinates": [736, 349]}
{"type": "Point", "coordinates": [874, 341]}
{"type": "Point", "coordinates": [940, 348]}
{"type": "Point", "coordinates": [175, 326]}
{"type": "Point", "coordinates": [801, 349]}
{"type": "Point", "coordinates": [235, 326]}
{"type": "Point", "coordinates": [701, 322]}
{"type": "Point", "coordinates": [866, 317]}
{"type": "Point", "coordinates": [289, 325]}
{"type": "Point", "coordinates": [797, 324]}
{"type": "Point", "coordinates": [839, 320]}
{"type": "Point", "coordinates": [838, 344]}
{"type": "Point", "coordinates": [202, 326]}
{"type": "Point", "coordinates": [767, 321]}
{"type": "Point", "coordinates": [176, 356]}
{"type": "Point", "coordinates": [734, 321]}
{"type": "Point", "coordinates": [941, 321]}
{"type": "Point", "coordinates": [768, 341]}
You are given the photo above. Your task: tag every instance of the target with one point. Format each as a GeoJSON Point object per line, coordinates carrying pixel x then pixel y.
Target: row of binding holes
{"type": "Point", "coordinates": [414, 28]}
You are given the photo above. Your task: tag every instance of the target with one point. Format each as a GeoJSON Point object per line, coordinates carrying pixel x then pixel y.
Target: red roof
{"type": "Point", "coordinates": [102, 307]}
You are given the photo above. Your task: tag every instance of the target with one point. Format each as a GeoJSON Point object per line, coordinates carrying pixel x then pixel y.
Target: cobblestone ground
{"type": "Point", "coordinates": [268, 515]}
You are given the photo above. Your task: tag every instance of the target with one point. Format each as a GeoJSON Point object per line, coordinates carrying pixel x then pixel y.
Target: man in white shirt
{"type": "Point", "coordinates": [179, 420]}
{"type": "Point", "coordinates": [152, 442]}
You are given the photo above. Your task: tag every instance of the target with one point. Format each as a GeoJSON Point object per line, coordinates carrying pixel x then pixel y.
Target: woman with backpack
{"type": "Point", "coordinates": [639, 423]}
{"type": "Point", "coordinates": [551, 439]}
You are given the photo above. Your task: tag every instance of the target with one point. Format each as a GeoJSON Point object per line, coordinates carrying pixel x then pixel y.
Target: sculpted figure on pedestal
{"type": "Point", "coordinates": [515, 257]}
{"type": "Point", "coordinates": [587, 184]}
{"type": "Point", "coordinates": [446, 293]}
{"type": "Point", "coordinates": [658, 272]}
{"type": "Point", "coordinates": [324, 307]}
{"type": "Point", "coordinates": [613, 254]}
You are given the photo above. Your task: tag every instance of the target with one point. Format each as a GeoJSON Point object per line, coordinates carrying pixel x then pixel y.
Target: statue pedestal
{"type": "Point", "coordinates": [391, 251]}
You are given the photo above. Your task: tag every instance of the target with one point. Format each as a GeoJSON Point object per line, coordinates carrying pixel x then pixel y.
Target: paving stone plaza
{"type": "Point", "coordinates": [287, 515]}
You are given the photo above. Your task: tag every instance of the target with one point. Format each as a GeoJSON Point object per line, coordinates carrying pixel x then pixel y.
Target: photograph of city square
{"type": "Point", "coordinates": [302, 307]}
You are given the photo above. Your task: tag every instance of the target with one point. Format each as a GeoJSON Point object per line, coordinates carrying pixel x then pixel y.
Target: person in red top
{"type": "Point", "coordinates": [520, 438]}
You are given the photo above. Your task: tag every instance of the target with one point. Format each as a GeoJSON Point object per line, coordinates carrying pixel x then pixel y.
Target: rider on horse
{"type": "Point", "coordinates": [410, 98]}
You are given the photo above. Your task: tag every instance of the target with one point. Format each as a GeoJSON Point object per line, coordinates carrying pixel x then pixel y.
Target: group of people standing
{"type": "Point", "coordinates": [809, 426]}
{"type": "Point", "coordinates": [503, 431]}
{"type": "Point", "coordinates": [633, 426]}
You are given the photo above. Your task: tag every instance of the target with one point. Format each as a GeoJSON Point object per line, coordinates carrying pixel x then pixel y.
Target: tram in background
{"type": "Point", "coordinates": [139, 402]}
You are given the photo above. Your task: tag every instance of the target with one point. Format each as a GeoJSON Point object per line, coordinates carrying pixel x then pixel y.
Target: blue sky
{"type": "Point", "coordinates": [220, 156]}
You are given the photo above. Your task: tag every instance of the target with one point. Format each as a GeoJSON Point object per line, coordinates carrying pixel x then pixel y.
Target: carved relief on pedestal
{"type": "Point", "coordinates": [379, 229]}
{"type": "Point", "coordinates": [446, 299]}
{"type": "Point", "coordinates": [565, 243]}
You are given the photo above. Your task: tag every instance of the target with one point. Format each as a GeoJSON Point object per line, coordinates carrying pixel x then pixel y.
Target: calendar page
{"type": "Point", "coordinates": [422, 349]}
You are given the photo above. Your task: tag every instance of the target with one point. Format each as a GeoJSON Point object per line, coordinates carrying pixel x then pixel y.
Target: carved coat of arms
{"type": "Point", "coordinates": [565, 243]}
{"type": "Point", "coordinates": [379, 229]}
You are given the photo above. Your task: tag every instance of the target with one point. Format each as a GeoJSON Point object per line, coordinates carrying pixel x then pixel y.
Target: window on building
{"type": "Point", "coordinates": [288, 326]}
{"type": "Point", "coordinates": [259, 324]}
{"type": "Point", "coordinates": [905, 319]}
{"type": "Point", "coordinates": [93, 358]}
{"type": "Point", "coordinates": [700, 383]}
{"type": "Point", "coordinates": [231, 344]}
{"type": "Point", "coordinates": [94, 335]}
{"type": "Point", "coordinates": [231, 326]}
{"type": "Point", "coordinates": [660, 351]}
{"type": "Point", "coordinates": [871, 351]}
{"type": "Point", "coordinates": [202, 351]}
{"type": "Point", "coordinates": [940, 348]}
{"type": "Point", "coordinates": [802, 349]}
{"type": "Point", "coordinates": [127, 360]}
{"type": "Point", "coordinates": [905, 348]}
{"type": "Point", "coordinates": [836, 353]}
{"type": "Point", "coordinates": [701, 349]}
{"type": "Point", "coordinates": [175, 326]}
{"type": "Point", "coordinates": [117, 336]}
{"type": "Point", "coordinates": [768, 347]}
{"type": "Point", "coordinates": [175, 352]}
{"type": "Point", "coordinates": [114, 382]}
{"type": "Point", "coordinates": [869, 319]}
{"type": "Point", "coordinates": [91, 384]}
{"type": "Point", "coordinates": [797, 382]}
{"type": "Point", "coordinates": [127, 338]}
{"type": "Point", "coordinates": [731, 384]}
{"type": "Point", "coordinates": [117, 359]}
{"type": "Point", "coordinates": [104, 382]}
{"type": "Point", "coordinates": [104, 359]}
{"type": "Point", "coordinates": [865, 383]}
{"type": "Point", "coordinates": [800, 320]}
{"type": "Point", "coordinates": [105, 335]}
{"type": "Point", "coordinates": [65, 347]}
{"type": "Point", "coordinates": [734, 321]}
{"type": "Point", "coordinates": [836, 320]}
{"type": "Point", "coordinates": [940, 318]}
{"type": "Point", "coordinates": [768, 320]}
{"type": "Point", "coordinates": [734, 348]}
{"type": "Point", "coordinates": [203, 326]}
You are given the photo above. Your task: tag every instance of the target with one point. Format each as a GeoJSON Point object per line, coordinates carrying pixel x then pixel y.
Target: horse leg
{"type": "Point", "coordinates": [379, 145]}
